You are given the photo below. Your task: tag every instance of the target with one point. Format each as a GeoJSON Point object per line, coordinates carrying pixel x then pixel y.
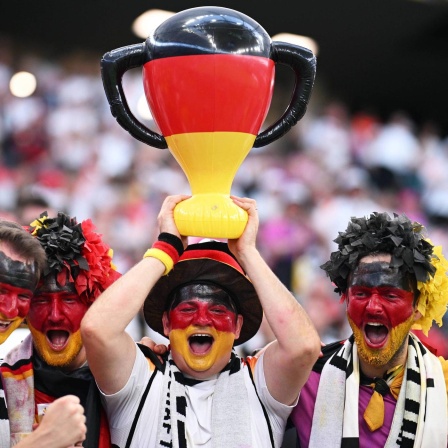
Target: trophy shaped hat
{"type": "Point", "coordinates": [208, 76]}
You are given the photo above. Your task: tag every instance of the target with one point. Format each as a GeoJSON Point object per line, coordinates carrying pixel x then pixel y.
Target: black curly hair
{"type": "Point", "coordinates": [380, 233]}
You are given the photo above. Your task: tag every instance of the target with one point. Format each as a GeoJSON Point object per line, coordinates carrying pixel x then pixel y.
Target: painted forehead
{"type": "Point", "coordinates": [18, 273]}
{"type": "Point", "coordinates": [380, 274]}
{"type": "Point", "coordinates": [49, 285]}
{"type": "Point", "coordinates": [204, 292]}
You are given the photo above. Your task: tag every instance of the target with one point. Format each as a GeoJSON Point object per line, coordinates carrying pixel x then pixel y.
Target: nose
{"type": "Point", "coordinates": [55, 314]}
{"type": "Point", "coordinates": [202, 317]}
{"type": "Point", "coordinates": [374, 305]}
{"type": "Point", "coordinates": [8, 306]}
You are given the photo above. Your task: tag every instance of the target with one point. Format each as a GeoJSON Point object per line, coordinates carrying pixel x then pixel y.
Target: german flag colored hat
{"type": "Point", "coordinates": [208, 262]}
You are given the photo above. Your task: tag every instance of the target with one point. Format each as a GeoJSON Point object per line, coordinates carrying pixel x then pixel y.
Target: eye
{"type": "Point", "coordinates": [218, 310]}
{"type": "Point", "coordinates": [24, 297]}
{"type": "Point", "coordinates": [185, 308]}
{"type": "Point", "coordinates": [359, 293]}
{"type": "Point", "coordinates": [391, 295]}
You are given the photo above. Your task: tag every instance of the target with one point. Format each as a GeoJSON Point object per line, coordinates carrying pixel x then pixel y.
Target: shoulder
{"type": "Point", "coordinates": [327, 351]}
{"type": "Point", "coordinates": [153, 360]}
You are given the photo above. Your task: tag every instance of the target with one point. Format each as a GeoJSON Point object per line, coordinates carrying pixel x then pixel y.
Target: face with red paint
{"type": "Point", "coordinates": [202, 325]}
{"type": "Point", "coordinates": [17, 282]}
{"type": "Point", "coordinates": [54, 319]}
{"type": "Point", "coordinates": [380, 310]}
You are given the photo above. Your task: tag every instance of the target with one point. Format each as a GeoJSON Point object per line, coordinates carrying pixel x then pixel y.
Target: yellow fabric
{"type": "Point", "coordinates": [433, 298]}
{"type": "Point", "coordinates": [161, 256]}
{"type": "Point", "coordinates": [374, 413]}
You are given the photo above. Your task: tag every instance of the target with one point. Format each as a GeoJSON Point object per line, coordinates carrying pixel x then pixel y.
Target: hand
{"type": "Point", "coordinates": [249, 236]}
{"type": "Point", "coordinates": [63, 425]}
{"type": "Point", "coordinates": [158, 349]}
{"type": "Point", "coordinates": [322, 344]}
{"type": "Point", "coordinates": [166, 216]}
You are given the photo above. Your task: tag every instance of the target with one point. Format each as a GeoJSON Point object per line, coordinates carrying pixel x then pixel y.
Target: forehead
{"type": "Point", "coordinates": [373, 273]}
{"type": "Point", "coordinates": [15, 271]}
{"type": "Point", "coordinates": [376, 257]}
{"type": "Point", "coordinates": [210, 294]}
{"type": "Point", "coordinates": [49, 285]}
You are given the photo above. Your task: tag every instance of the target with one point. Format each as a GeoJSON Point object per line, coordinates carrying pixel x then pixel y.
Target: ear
{"type": "Point", "coordinates": [239, 325]}
{"type": "Point", "coordinates": [166, 324]}
{"type": "Point", "coordinates": [417, 315]}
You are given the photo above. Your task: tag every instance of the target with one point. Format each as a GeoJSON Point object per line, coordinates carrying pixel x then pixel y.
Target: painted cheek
{"type": "Point", "coordinates": [355, 311]}
{"type": "Point", "coordinates": [180, 321]}
{"type": "Point", "coordinates": [23, 307]}
{"type": "Point", "coordinates": [400, 310]}
{"type": "Point", "coordinates": [76, 314]}
{"type": "Point", "coordinates": [38, 315]}
{"type": "Point", "coordinates": [225, 322]}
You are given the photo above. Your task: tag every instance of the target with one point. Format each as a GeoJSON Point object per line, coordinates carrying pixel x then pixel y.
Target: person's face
{"type": "Point", "coordinates": [201, 332]}
{"type": "Point", "coordinates": [17, 282]}
{"type": "Point", "coordinates": [380, 309]}
{"type": "Point", "coordinates": [54, 319]}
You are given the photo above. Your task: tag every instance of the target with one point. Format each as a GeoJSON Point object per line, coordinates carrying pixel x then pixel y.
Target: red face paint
{"type": "Point", "coordinates": [17, 282]}
{"type": "Point", "coordinates": [203, 312]}
{"type": "Point", "coordinates": [14, 301]}
{"type": "Point", "coordinates": [54, 318]}
{"type": "Point", "coordinates": [56, 309]}
{"type": "Point", "coordinates": [380, 310]}
{"type": "Point", "coordinates": [386, 305]}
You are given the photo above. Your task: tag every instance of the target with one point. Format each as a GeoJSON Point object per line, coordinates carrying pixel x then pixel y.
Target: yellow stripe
{"type": "Point", "coordinates": [210, 160]}
{"type": "Point", "coordinates": [161, 256]}
{"type": "Point", "coordinates": [19, 376]}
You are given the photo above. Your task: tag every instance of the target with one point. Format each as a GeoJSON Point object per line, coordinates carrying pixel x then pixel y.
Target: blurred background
{"type": "Point", "coordinates": [374, 137]}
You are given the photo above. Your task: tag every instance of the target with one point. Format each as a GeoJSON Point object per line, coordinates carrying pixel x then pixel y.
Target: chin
{"type": "Point", "coordinates": [393, 346]}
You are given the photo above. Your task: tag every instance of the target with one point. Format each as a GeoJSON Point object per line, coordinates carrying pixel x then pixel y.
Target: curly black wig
{"type": "Point", "coordinates": [380, 233]}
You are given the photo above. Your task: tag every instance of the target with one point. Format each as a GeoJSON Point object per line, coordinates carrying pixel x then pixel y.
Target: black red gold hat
{"type": "Point", "coordinates": [208, 262]}
{"type": "Point", "coordinates": [75, 254]}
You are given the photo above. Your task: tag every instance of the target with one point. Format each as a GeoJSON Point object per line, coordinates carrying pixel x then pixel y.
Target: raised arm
{"type": "Point", "coordinates": [288, 360]}
{"type": "Point", "coordinates": [110, 350]}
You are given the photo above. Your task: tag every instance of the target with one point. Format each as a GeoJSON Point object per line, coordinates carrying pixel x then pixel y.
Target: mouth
{"type": "Point", "coordinates": [4, 325]}
{"type": "Point", "coordinates": [57, 339]}
{"type": "Point", "coordinates": [200, 343]}
{"type": "Point", "coordinates": [376, 334]}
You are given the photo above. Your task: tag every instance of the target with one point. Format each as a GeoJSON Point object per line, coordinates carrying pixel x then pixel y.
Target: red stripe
{"type": "Point", "coordinates": [16, 371]}
{"type": "Point", "coordinates": [222, 257]}
{"type": "Point", "coordinates": [170, 250]}
{"type": "Point", "coordinates": [209, 93]}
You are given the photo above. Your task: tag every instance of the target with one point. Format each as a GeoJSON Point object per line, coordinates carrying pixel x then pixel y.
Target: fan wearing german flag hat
{"type": "Point", "coordinates": [206, 298]}
{"type": "Point", "coordinates": [51, 361]}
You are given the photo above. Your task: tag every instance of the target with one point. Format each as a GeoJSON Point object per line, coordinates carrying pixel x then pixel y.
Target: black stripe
{"type": "Point", "coordinates": [429, 382]}
{"type": "Point", "coordinates": [407, 443]}
{"type": "Point", "coordinates": [181, 406]}
{"type": "Point", "coordinates": [181, 432]}
{"type": "Point", "coordinates": [16, 365]}
{"type": "Point", "coordinates": [339, 362]}
{"type": "Point", "coordinates": [139, 409]}
{"type": "Point", "coordinates": [350, 442]}
{"type": "Point", "coordinates": [412, 406]}
{"type": "Point", "coordinates": [414, 376]}
{"type": "Point", "coordinates": [268, 422]}
{"type": "Point", "coordinates": [3, 410]}
{"type": "Point", "coordinates": [408, 426]}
